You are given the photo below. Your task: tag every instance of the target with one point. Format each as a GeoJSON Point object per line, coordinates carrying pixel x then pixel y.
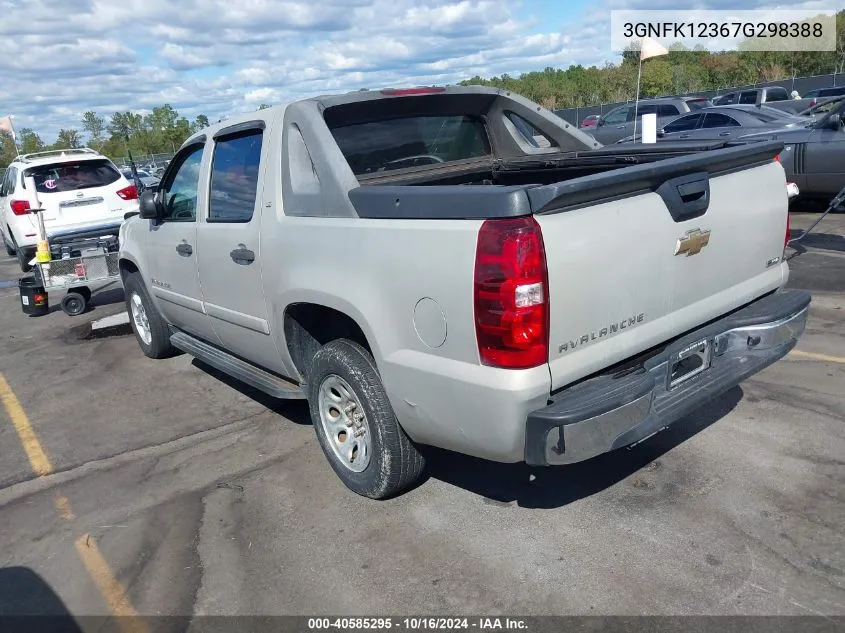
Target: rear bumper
{"type": "Point", "coordinates": [610, 412]}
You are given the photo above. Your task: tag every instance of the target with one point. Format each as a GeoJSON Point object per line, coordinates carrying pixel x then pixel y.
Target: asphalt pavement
{"type": "Point", "coordinates": [168, 489]}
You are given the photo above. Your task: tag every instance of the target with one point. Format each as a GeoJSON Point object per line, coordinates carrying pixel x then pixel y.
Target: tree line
{"type": "Point", "coordinates": [161, 131]}
{"type": "Point", "coordinates": [683, 71]}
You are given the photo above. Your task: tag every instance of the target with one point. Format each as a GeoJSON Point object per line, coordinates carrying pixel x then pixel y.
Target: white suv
{"type": "Point", "coordinates": [78, 188]}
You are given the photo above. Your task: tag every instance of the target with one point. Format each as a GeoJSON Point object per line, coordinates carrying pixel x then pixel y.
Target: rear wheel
{"type": "Point", "coordinates": [355, 424]}
{"type": "Point", "coordinates": [10, 249]}
{"type": "Point", "coordinates": [74, 304]}
{"type": "Point", "coordinates": [150, 328]}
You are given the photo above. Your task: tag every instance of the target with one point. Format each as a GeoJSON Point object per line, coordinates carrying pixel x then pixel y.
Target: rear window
{"type": "Point", "coordinates": [777, 94]}
{"type": "Point", "coordinates": [411, 142]}
{"type": "Point", "coordinates": [697, 104]}
{"type": "Point", "coordinates": [62, 177]}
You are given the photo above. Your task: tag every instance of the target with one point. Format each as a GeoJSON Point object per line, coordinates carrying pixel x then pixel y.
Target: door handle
{"type": "Point", "coordinates": [684, 136]}
{"type": "Point", "coordinates": [724, 133]}
{"type": "Point", "coordinates": [242, 255]}
{"type": "Point", "coordinates": [620, 127]}
{"type": "Point", "coordinates": [184, 249]}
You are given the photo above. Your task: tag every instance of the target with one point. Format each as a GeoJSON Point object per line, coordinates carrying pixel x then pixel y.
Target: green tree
{"type": "Point", "coordinates": [263, 106]}
{"type": "Point", "coordinates": [30, 141]}
{"type": "Point", "coordinates": [8, 149]}
{"type": "Point", "coordinates": [199, 123]}
{"type": "Point", "coordinates": [94, 125]}
{"type": "Point", "coordinates": [68, 139]}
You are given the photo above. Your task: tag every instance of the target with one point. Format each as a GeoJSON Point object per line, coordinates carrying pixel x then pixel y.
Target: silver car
{"type": "Point", "coordinates": [724, 123]}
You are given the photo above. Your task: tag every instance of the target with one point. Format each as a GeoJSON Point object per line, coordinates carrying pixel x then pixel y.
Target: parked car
{"type": "Point", "coordinates": [590, 121]}
{"type": "Point", "coordinates": [574, 300]}
{"type": "Point", "coordinates": [753, 96]}
{"type": "Point", "coordinates": [148, 181]}
{"type": "Point", "coordinates": [814, 155]}
{"type": "Point", "coordinates": [619, 122]}
{"type": "Point", "coordinates": [77, 188]}
{"type": "Point", "coordinates": [815, 95]}
{"type": "Point", "coordinates": [724, 122]}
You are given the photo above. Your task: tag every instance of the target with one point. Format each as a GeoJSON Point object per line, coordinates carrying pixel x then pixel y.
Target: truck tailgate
{"type": "Point", "coordinates": [631, 271]}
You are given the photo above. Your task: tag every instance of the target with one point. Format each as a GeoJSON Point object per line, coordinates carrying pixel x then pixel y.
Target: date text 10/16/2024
{"type": "Point", "coordinates": [417, 623]}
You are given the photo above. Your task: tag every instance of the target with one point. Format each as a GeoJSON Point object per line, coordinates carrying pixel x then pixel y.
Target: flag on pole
{"type": "Point", "coordinates": [6, 124]}
{"type": "Point", "coordinates": [651, 48]}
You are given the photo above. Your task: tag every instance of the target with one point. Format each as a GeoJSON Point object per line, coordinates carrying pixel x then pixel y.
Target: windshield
{"type": "Point", "coordinates": [411, 142]}
{"type": "Point", "coordinates": [61, 177]}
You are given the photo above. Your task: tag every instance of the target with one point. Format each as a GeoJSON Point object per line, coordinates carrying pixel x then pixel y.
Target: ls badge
{"type": "Point", "coordinates": [692, 242]}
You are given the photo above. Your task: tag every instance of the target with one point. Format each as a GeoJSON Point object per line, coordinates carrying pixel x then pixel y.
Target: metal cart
{"type": "Point", "coordinates": [79, 260]}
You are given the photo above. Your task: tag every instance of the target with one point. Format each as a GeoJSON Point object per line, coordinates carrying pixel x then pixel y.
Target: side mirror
{"type": "Point", "coordinates": [150, 209]}
{"type": "Point", "coordinates": [835, 122]}
{"type": "Point", "coordinates": [599, 122]}
{"type": "Point", "coordinates": [661, 132]}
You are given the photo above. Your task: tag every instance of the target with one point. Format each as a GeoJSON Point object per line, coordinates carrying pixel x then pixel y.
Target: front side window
{"type": "Point", "coordinates": [748, 97]}
{"type": "Point", "coordinates": [179, 193]}
{"type": "Point", "coordinates": [64, 177]}
{"type": "Point", "coordinates": [617, 116]}
{"type": "Point", "coordinates": [234, 177]}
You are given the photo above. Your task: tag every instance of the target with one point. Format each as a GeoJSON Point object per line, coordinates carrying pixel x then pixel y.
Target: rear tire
{"type": "Point", "coordinates": [353, 420]}
{"type": "Point", "coordinates": [23, 257]}
{"type": "Point", "coordinates": [151, 330]}
{"type": "Point", "coordinates": [11, 251]}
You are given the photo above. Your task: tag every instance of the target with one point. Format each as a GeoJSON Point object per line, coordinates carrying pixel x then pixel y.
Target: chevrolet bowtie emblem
{"type": "Point", "coordinates": [692, 242]}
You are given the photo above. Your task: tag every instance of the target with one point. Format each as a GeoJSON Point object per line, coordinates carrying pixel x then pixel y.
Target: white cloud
{"type": "Point", "coordinates": [62, 57]}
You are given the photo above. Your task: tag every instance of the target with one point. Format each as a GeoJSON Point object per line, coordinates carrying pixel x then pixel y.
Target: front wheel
{"type": "Point", "coordinates": [355, 424]}
{"type": "Point", "coordinates": [150, 328]}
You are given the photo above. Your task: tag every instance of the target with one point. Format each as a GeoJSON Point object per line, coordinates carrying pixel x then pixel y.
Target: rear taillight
{"type": "Point", "coordinates": [19, 207]}
{"type": "Point", "coordinates": [786, 239]}
{"type": "Point", "coordinates": [777, 158]}
{"type": "Point", "coordinates": [129, 193]}
{"type": "Point", "coordinates": [511, 294]}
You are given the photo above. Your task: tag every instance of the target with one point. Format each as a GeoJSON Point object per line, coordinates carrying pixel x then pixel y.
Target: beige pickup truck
{"type": "Point", "coordinates": [459, 267]}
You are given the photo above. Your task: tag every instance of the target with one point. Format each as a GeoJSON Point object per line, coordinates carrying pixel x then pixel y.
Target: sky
{"type": "Point", "coordinates": [59, 58]}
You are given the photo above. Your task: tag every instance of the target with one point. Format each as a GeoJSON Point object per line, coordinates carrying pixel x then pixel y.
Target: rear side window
{"type": "Point", "coordinates": [234, 177]}
{"type": "Point", "coordinates": [63, 177]}
{"type": "Point", "coordinates": [717, 119]}
{"type": "Point", "coordinates": [530, 133]}
{"type": "Point", "coordinates": [667, 110]}
{"type": "Point", "coordinates": [684, 124]}
{"type": "Point", "coordinates": [410, 142]}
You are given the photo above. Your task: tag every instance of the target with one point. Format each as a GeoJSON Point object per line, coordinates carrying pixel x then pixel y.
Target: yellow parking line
{"type": "Point", "coordinates": [825, 358]}
{"type": "Point", "coordinates": [109, 586]}
{"type": "Point", "coordinates": [29, 440]}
